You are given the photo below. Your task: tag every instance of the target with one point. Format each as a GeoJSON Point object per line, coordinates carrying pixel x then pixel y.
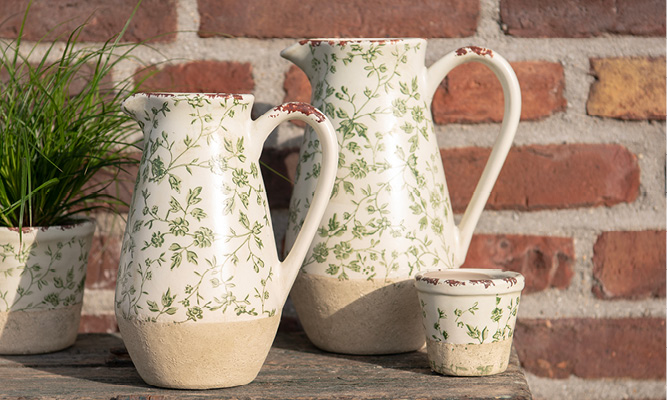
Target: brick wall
{"type": "Point", "coordinates": [579, 208]}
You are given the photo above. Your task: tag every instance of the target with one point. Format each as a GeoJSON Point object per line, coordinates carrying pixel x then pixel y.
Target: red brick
{"type": "Point", "coordinates": [297, 88]}
{"type": "Point", "coordinates": [103, 261]}
{"type": "Point", "coordinates": [544, 261]}
{"type": "Point", "coordinates": [540, 177]}
{"type": "Point", "coordinates": [533, 178]}
{"type": "Point", "coordinates": [628, 88]}
{"type": "Point", "coordinates": [582, 18]}
{"type": "Point", "coordinates": [629, 265]}
{"type": "Point", "coordinates": [200, 77]}
{"type": "Point", "coordinates": [640, 17]}
{"type": "Point", "coordinates": [592, 348]}
{"type": "Point", "coordinates": [353, 18]}
{"type": "Point", "coordinates": [103, 19]}
{"type": "Point", "coordinates": [105, 323]}
{"type": "Point", "coordinates": [472, 93]}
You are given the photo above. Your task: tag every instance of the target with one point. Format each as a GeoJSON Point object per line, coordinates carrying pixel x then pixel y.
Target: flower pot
{"type": "Point", "coordinates": [42, 278]}
{"type": "Point", "coordinates": [469, 317]}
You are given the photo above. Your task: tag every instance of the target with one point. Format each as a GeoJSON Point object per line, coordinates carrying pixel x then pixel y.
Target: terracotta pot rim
{"type": "Point", "coordinates": [359, 40]}
{"type": "Point", "coordinates": [77, 223]}
{"type": "Point", "coordinates": [469, 281]}
{"type": "Point", "coordinates": [238, 96]}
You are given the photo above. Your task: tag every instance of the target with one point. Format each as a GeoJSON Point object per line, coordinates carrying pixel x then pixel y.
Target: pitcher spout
{"type": "Point", "coordinates": [134, 105]}
{"type": "Point", "coordinates": [299, 54]}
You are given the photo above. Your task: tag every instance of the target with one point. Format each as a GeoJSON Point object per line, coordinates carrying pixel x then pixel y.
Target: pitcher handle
{"type": "Point", "coordinates": [512, 94]}
{"type": "Point", "coordinates": [262, 127]}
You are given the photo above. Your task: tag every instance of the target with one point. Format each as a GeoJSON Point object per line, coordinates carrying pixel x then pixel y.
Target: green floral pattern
{"type": "Point", "coordinates": [390, 214]}
{"type": "Point", "coordinates": [45, 269]}
{"type": "Point", "coordinates": [470, 319]}
{"type": "Point", "coordinates": [199, 242]}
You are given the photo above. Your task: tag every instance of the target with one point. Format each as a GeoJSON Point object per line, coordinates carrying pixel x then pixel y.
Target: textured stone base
{"type": "Point", "coordinates": [359, 316]}
{"type": "Point", "coordinates": [39, 331]}
{"type": "Point", "coordinates": [469, 359]}
{"type": "Point", "coordinates": [197, 355]}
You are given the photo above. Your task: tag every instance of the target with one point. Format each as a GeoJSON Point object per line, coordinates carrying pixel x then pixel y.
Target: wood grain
{"type": "Point", "coordinates": [98, 367]}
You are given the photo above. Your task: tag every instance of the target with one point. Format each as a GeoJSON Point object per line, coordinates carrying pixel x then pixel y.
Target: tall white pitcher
{"type": "Point", "coordinates": [390, 214]}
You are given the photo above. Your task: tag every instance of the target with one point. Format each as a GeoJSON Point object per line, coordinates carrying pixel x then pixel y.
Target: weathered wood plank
{"type": "Point", "coordinates": [97, 367]}
{"type": "Point", "coordinates": [89, 350]}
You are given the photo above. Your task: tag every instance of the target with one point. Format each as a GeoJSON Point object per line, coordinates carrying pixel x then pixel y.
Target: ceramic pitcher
{"type": "Point", "coordinates": [200, 286]}
{"type": "Point", "coordinates": [390, 214]}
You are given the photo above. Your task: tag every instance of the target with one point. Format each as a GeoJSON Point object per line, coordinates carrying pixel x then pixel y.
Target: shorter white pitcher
{"type": "Point", "coordinates": [200, 286]}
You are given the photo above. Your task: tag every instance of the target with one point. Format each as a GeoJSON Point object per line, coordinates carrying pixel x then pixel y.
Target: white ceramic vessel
{"type": "Point", "coordinates": [200, 286]}
{"type": "Point", "coordinates": [390, 215]}
{"type": "Point", "coordinates": [42, 279]}
{"type": "Point", "coordinates": [469, 317]}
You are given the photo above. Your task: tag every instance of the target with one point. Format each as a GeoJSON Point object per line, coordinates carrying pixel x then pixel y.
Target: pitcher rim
{"type": "Point", "coordinates": [344, 41]}
{"type": "Point", "coordinates": [237, 96]}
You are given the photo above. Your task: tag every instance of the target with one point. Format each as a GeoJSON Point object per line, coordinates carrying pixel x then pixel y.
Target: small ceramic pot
{"type": "Point", "coordinates": [42, 278]}
{"type": "Point", "coordinates": [469, 317]}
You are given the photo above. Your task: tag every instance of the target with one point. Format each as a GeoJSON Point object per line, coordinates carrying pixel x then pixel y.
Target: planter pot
{"type": "Point", "coordinates": [42, 277]}
{"type": "Point", "coordinates": [469, 317]}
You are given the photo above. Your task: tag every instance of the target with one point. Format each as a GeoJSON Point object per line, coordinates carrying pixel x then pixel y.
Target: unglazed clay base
{"type": "Point", "coordinates": [359, 316]}
{"type": "Point", "coordinates": [469, 359]}
{"type": "Point", "coordinates": [199, 355]}
{"type": "Point", "coordinates": [39, 331]}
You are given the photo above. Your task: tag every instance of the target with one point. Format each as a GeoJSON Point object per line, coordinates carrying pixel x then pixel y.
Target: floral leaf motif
{"type": "Point", "coordinates": [191, 257]}
{"type": "Point", "coordinates": [157, 169]}
{"type": "Point", "coordinates": [243, 219]}
{"type": "Point", "coordinates": [496, 314]}
{"type": "Point", "coordinates": [174, 205]}
{"type": "Point", "coordinates": [57, 283]}
{"type": "Point", "coordinates": [175, 183]}
{"type": "Point", "coordinates": [203, 237]}
{"type": "Point", "coordinates": [320, 252]}
{"type": "Point", "coordinates": [198, 213]}
{"type": "Point", "coordinates": [229, 147]}
{"type": "Point", "coordinates": [179, 226]}
{"type": "Point", "coordinates": [228, 205]}
{"type": "Point", "coordinates": [176, 260]}
{"type": "Point", "coordinates": [152, 306]}
{"type": "Point", "coordinates": [473, 332]}
{"type": "Point", "coordinates": [193, 196]}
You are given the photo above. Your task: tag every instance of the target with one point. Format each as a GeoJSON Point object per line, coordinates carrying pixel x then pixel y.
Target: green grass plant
{"type": "Point", "coordinates": [60, 125]}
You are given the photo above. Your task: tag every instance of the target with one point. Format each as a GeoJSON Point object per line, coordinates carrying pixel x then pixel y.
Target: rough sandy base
{"type": "Point", "coordinates": [359, 316]}
{"type": "Point", "coordinates": [196, 355]}
{"type": "Point", "coordinates": [39, 331]}
{"type": "Point", "coordinates": [469, 359]}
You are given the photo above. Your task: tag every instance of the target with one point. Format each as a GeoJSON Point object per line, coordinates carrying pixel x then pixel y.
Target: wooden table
{"type": "Point", "coordinates": [98, 367]}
